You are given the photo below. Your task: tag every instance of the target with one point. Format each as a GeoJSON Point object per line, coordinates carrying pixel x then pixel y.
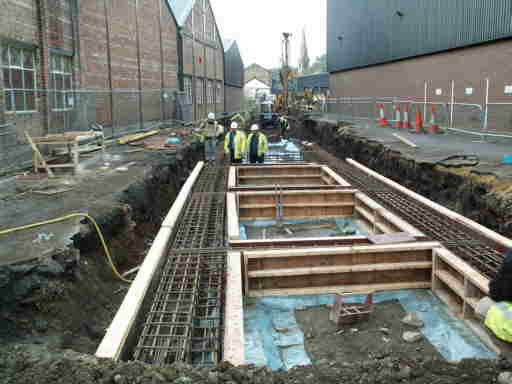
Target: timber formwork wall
{"type": "Point", "coordinates": [305, 176]}
{"type": "Point", "coordinates": [343, 269]}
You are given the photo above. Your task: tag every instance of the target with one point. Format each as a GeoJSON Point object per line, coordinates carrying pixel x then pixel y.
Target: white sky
{"type": "Point", "coordinates": [257, 26]}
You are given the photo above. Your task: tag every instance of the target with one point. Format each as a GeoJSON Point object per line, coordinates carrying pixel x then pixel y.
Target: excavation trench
{"type": "Point", "coordinates": [67, 298]}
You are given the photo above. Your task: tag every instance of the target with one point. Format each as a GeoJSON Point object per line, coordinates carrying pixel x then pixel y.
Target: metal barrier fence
{"type": "Point", "coordinates": [454, 110]}
{"type": "Point", "coordinates": [115, 112]}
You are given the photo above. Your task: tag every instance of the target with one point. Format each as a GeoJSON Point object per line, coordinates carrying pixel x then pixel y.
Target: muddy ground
{"type": "Point", "coordinates": [379, 337]}
{"type": "Point", "coordinates": [38, 364]}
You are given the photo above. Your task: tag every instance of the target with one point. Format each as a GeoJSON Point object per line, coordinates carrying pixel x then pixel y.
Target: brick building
{"type": "Point", "coordinates": [53, 50]}
{"type": "Point", "coordinates": [201, 58]}
{"type": "Point", "coordinates": [233, 76]}
{"type": "Point", "coordinates": [392, 47]}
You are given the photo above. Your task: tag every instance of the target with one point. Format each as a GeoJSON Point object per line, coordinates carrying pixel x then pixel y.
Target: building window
{"type": "Point", "coordinates": [18, 67]}
{"type": "Point", "coordinates": [219, 92]}
{"type": "Point", "coordinates": [199, 91]}
{"type": "Point", "coordinates": [61, 82]}
{"type": "Point", "coordinates": [210, 92]}
{"type": "Point", "coordinates": [187, 84]}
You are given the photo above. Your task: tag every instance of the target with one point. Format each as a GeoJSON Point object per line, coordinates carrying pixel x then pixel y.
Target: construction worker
{"type": "Point", "coordinates": [234, 144]}
{"type": "Point", "coordinates": [239, 119]}
{"type": "Point", "coordinates": [500, 288]}
{"type": "Point", "coordinates": [284, 126]}
{"type": "Point", "coordinates": [257, 145]}
{"type": "Point", "coordinates": [197, 136]}
{"type": "Point", "coordinates": [211, 129]}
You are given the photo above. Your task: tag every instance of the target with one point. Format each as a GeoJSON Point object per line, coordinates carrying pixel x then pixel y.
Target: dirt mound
{"type": "Point", "coordinates": [38, 364]}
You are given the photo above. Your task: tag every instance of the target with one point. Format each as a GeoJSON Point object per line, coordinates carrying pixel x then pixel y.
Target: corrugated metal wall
{"type": "Point", "coordinates": [366, 32]}
{"type": "Point", "coordinates": [317, 80]}
{"type": "Point", "coordinates": [234, 67]}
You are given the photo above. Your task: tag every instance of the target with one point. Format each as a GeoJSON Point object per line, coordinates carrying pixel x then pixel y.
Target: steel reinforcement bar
{"type": "Point", "coordinates": [185, 320]}
{"type": "Point", "coordinates": [471, 246]}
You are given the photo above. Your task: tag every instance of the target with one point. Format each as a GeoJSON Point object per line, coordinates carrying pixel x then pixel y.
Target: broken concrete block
{"type": "Point", "coordinates": [413, 320]}
{"type": "Point", "coordinates": [412, 337]}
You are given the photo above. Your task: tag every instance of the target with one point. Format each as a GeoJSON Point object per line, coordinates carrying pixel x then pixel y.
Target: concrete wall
{"type": "Point", "coordinates": [234, 96]}
{"type": "Point", "coordinates": [468, 67]}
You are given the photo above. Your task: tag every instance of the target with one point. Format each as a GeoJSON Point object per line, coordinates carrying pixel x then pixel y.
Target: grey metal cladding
{"type": "Point", "coordinates": [367, 32]}
{"type": "Point", "coordinates": [233, 67]}
{"type": "Point", "coordinates": [317, 80]}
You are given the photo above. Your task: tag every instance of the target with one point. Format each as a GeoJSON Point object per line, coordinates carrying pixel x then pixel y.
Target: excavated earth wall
{"type": "Point", "coordinates": [465, 194]}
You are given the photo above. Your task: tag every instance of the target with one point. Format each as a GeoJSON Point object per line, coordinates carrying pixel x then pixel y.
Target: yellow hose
{"type": "Point", "coordinates": [67, 217]}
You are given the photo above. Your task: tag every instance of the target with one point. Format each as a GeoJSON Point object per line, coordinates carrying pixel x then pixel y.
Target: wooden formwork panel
{"type": "Point", "coordinates": [265, 177]}
{"type": "Point", "coordinates": [406, 264]}
{"type": "Point", "coordinates": [352, 278]}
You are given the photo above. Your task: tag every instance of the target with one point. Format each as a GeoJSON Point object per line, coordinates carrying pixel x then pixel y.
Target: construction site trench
{"type": "Point", "coordinates": [51, 322]}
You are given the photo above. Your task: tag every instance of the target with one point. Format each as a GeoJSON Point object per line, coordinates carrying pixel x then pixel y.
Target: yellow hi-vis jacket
{"type": "Point", "coordinates": [262, 143]}
{"type": "Point", "coordinates": [499, 320]}
{"type": "Point", "coordinates": [239, 143]}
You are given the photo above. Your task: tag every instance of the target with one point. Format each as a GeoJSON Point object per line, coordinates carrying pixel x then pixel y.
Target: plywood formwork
{"type": "Point", "coordinates": [316, 204]}
{"type": "Point", "coordinates": [353, 268]}
{"type": "Point", "coordinates": [296, 176]}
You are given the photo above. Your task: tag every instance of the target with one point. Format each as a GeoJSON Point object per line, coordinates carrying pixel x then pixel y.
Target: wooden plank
{"type": "Point", "coordinates": [340, 269]}
{"type": "Point", "coordinates": [448, 299]}
{"type": "Point", "coordinates": [486, 337]}
{"type": "Point", "coordinates": [234, 348]}
{"type": "Point", "coordinates": [464, 268]}
{"type": "Point", "coordinates": [232, 217]}
{"type": "Point", "coordinates": [298, 205]}
{"type": "Point", "coordinates": [112, 345]}
{"type": "Point", "coordinates": [341, 289]}
{"type": "Point", "coordinates": [279, 177]}
{"type": "Point", "coordinates": [296, 242]}
{"type": "Point", "coordinates": [306, 192]}
{"type": "Point", "coordinates": [452, 282]}
{"type": "Point", "coordinates": [173, 215]}
{"type": "Point", "coordinates": [496, 237]}
{"type": "Point", "coordinates": [232, 178]}
{"type": "Point", "coordinates": [136, 137]}
{"type": "Point", "coordinates": [393, 238]}
{"type": "Point", "coordinates": [356, 249]}
{"type": "Point", "coordinates": [337, 178]}
{"type": "Point", "coordinates": [39, 155]}
{"type": "Point", "coordinates": [405, 141]}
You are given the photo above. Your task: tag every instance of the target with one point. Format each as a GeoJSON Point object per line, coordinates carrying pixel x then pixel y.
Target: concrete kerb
{"type": "Point", "coordinates": [112, 345]}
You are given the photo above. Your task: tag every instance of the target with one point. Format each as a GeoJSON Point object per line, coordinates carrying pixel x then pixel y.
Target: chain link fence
{"type": "Point", "coordinates": [451, 105]}
{"type": "Point", "coordinates": [114, 112]}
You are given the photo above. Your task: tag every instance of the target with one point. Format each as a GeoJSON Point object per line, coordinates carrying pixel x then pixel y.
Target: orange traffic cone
{"type": "Point", "coordinates": [383, 122]}
{"type": "Point", "coordinates": [419, 120]}
{"type": "Point", "coordinates": [398, 115]}
{"type": "Point", "coordinates": [434, 127]}
{"type": "Point", "coordinates": [407, 122]}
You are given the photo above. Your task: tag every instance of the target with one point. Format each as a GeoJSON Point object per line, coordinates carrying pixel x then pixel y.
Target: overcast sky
{"type": "Point", "coordinates": [257, 26]}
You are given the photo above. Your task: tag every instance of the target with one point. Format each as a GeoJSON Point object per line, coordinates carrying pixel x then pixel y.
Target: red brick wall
{"type": "Point", "coordinates": [468, 67]}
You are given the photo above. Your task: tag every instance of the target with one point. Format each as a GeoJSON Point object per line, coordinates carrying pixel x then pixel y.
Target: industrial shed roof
{"type": "Point", "coordinates": [181, 9]}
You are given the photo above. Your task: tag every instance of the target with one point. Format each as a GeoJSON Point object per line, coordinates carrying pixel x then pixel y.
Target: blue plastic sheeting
{"type": "Point", "coordinates": [342, 222]}
{"type": "Point", "coordinates": [283, 145]}
{"type": "Point", "coordinates": [273, 337]}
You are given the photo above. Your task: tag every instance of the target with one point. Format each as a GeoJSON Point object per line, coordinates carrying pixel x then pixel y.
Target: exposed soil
{"type": "Point", "coordinates": [37, 364]}
{"type": "Point", "coordinates": [379, 337]}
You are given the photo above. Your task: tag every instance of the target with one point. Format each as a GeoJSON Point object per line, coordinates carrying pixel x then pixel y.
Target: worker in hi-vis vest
{"type": "Point", "coordinates": [234, 144]}
{"type": "Point", "coordinates": [498, 317]}
{"type": "Point", "coordinates": [211, 130]}
{"type": "Point", "coordinates": [257, 145]}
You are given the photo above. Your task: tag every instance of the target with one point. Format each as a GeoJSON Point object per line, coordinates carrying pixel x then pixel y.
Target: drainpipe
{"type": "Point", "coordinates": [194, 79]}
{"type": "Point", "coordinates": [139, 70]}
{"type": "Point", "coordinates": [162, 85]}
{"type": "Point", "coordinates": [109, 64]}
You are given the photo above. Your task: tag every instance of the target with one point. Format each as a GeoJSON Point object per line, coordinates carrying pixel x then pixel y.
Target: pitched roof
{"type": "Point", "coordinates": [227, 44]}
{"type": "Point", "coordinates": [181, 9]}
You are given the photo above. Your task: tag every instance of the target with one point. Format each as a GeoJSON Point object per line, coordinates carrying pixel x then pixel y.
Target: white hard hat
{"type": "Point", "coordinates": [197, 129]}
{"type": "Point", "coordinates": [234, 125]}
{"type": "Point", "coordinates": [211, 116]}
{"type": "Point", "coordinates": [254, 127]}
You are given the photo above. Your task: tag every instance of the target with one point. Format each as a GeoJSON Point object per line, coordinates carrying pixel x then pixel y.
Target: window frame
{"type": "Point", "coordinates": [187, 85]}
{"type": "Point", "coordinates": [66, 92]}
{"type": "Point", "coordinates": [199, 91]}
{"type": "Point", "coordinates": [10, 92]}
